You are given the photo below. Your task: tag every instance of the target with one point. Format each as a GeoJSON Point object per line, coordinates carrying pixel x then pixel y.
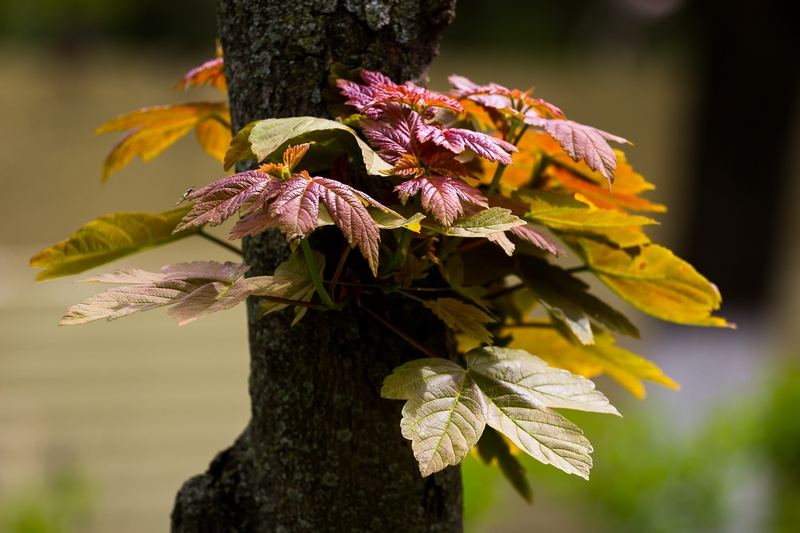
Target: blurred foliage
{"type": "Point", "coordinates": [544, 25]}
{"type": "Point", "coordinates": [75, 24]}
{"type": "Point", "coordinates": [739, 471]}
{"type": "Point", "coordinates": [63, 503]}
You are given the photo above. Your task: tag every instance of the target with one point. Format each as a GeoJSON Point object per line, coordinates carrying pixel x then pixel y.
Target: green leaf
{"type": "Point", "coordinates": [265, 137]}
{"type": "Point", "coordinates": [107, 238]}
{"type": "Point", "coordinates": [467, 318]}
{"type": "Point", "coordinates": [566, 298]}
{"type": "Point", "coordinates": [295, 269]}
{"type": "Point", "coordinates": [603, 357]}
{"type": "Point", "coordinates": [654, 280]}
{"type": "Point", "coordinates": [521, 389]}
{"type": "Point", "coordinates": [443, 417]}
{"type": "Point", "coordinates": [484, 223]}
{"type": "Point", "coordinates": [510, 390]}
{"type": "Point", "coordinates": [493, 448]}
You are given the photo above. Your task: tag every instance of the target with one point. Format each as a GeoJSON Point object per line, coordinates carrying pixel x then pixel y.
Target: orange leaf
{"type": "Point", "coordinates": [153, 129]}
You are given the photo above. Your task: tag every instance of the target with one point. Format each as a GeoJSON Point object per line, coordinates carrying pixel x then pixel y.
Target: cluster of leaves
{"type": "Point", "coordinates": [480, 191]}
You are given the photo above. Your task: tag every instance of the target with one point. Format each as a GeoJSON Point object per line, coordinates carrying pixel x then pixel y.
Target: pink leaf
{"type": "Point", "coordinates": [581, 142]}
{"type": "Point", "coordinates": [253, 224]}
{"type": "Point", "coordinates": [456, 139]}
{"type": "Point", "coordinates": [539, 239]}
{"type": "Point", "coordinates": [224, 198]}
{"type": "Point", "coordinates": [297, 206]}
{"type": "Point", "coordinates": [198, 288]}
{"type": "Point", "coordinates": [441, 196]}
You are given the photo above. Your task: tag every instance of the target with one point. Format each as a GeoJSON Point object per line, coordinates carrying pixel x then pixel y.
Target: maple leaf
{"type": "Point", "coordinates": [528, 234]}
{"type": "Point", "coordinates": [371, 99]}
{"type": "Point", "coordinates": [198, 289]}
{"type": "Point", "coordinates": [581, 142]}
{"type": "Point", "coordinates": [153, 129]}
{"type": "Point", "coordinates": [484, 223]}
{"type": "Point", "coordinates": [457, 139]}
{"type": "Point", "coordinates": [441, 196]}
{"type": "Point", "coordinates": [108, 238]}
{"type": "Point", "coordinates": [512, 391]}
{"type": "Point", "coordinates": [265, 138]}
{"type": "Point", "coordinates": [654, 280]}
{"type": "Point", "coordinates": [296, 212]}
{"type": "Point", "coordinates": [222, 199]}
{"type": "Point", "coordinates": [209, 73]}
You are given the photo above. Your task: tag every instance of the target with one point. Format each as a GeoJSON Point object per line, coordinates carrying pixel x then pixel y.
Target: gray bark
{"type": "Point", "coordinates": [322, 452]}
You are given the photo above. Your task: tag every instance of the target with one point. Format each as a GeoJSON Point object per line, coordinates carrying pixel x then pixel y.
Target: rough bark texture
{"type": "Point", "coordinates": [323, 451]}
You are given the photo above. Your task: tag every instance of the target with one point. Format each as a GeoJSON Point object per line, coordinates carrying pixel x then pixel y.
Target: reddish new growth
{"type": "Point", "coordinates": [403, 125]}
{"type": "Point", "coordinates": [578, 140]}
{"type": "Point", "coordinates": [275, 197]}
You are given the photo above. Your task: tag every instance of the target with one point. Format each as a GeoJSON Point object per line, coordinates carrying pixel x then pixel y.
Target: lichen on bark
{"type": "Point", "coordinates": [322, 451]}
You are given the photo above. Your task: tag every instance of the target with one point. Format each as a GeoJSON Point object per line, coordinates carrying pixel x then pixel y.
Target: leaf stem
{"type": "Point", "coordinates": [339, 268]}
{"type": "Point", "coordinates": [219, 241]}
{"type": "Point", "coordinates": [312, 268]}
{"type": "Point", "coordinates": [400, 332]}
{"type": "Point", "coordinates": [300, 303]}
{"type": "Point", "coordinates": [496, 179]}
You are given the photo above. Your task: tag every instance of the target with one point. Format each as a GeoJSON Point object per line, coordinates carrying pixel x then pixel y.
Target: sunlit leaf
{"type": "Point", "coordinates": [468, 319]}
{"type": "Point", "coordinates": [153, 129]}
{"type": "Point", "coordinates": [265, 137]}
{"type": "Point", "coordinates": [198, 288]}
{"type": "Point", "coordinates": [107, 238]}
{"type": "Point", "coordinates": [582, 142]}
{"type": "Point", "coordinates": [654, 280]}
{"type": "Point", "coordinates": [484, 223]}
{"type": "Point", "coordinates": [510, 390]}
{"type": "Point", "coordinates": [443, 197]}
{"type": "Point", "coordinates": [444, 415]}
{"type": "Point", "coordinates": [224, 198]}
{"type": "Point", "coordinates": [602, 357]}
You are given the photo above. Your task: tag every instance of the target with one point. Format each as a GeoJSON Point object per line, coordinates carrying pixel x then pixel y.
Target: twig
{"type": "Point", "coordinates": [400, 332]}
{"type": "Point", "coordinates": [339, 268]}
{"type": "Point", "coordinates": [219, 241]}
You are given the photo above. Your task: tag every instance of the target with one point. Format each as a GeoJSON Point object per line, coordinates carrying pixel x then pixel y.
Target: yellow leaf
{"type": "Point", "coordinates": [107, 238]}
{"type": "Point", "coordinates": [627, 368]}
{"type": "Point", "coordinates": [153, 129]}
{"type": "Point", "coordinates": [654, 280]}
{"type": "Point", "coordinates": [467, 318]}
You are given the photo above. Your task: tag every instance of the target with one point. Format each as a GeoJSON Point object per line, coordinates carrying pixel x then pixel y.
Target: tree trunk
{"type": "Point", "coordinates": [322, 452]}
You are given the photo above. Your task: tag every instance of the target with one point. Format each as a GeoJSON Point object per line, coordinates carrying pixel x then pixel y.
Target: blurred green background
{"type": "Point", "coordinates": [100, 425]}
